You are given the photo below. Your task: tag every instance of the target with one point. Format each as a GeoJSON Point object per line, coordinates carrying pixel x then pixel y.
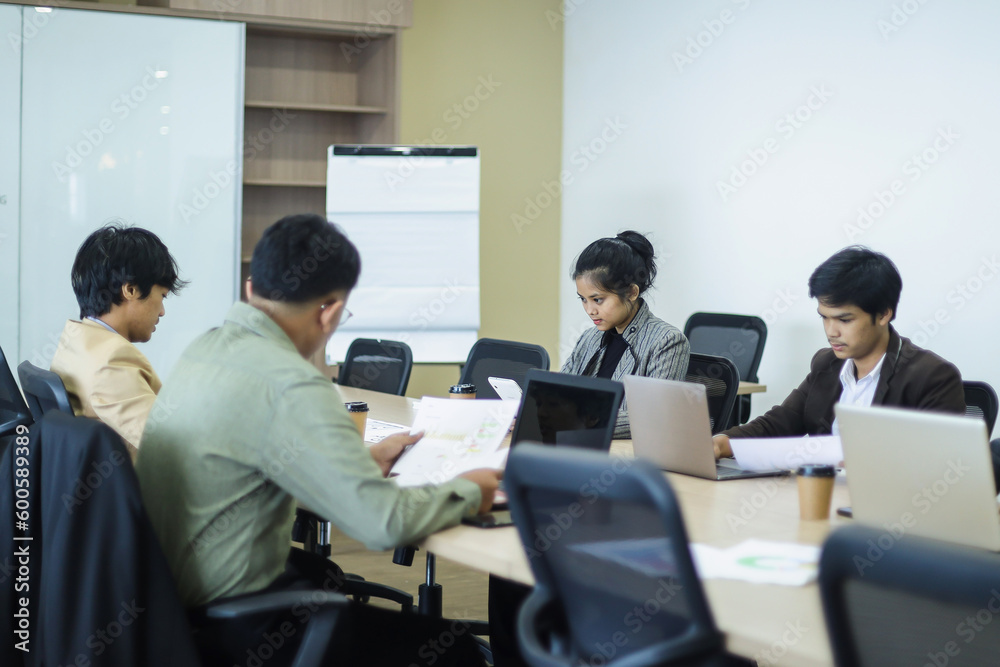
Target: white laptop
{"type": "Point", "coordinates": [671, 428]}
{"type": "Point", "coordinates": [921, 473]}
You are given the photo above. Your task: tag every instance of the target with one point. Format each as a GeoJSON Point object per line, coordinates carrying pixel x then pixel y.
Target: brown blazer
{"type": "Point", "coordinates": [911, 377]}
{"type": "Point", "coordinates": [107, 378]}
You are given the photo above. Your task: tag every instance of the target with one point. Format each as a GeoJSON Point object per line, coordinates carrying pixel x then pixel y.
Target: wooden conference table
{"type": "Point", "coordinates": [777, 625]}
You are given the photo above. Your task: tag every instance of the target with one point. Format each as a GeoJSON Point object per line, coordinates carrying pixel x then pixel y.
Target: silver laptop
{"type": "Point", "coordinates": [671, 428]}
{"type": "Point", "coordinates": [921, 473]}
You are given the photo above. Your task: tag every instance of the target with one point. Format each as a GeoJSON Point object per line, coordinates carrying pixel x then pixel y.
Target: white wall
{"type": "Point", "coordinates": [10, 190]}
{"type": "Point", "coordinates": [138, 118]}
{"type": "Point", "coordinates": [885, 86]}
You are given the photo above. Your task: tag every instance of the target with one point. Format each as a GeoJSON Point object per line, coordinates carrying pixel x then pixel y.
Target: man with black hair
{"type": "Point", "coordinates": [867, 363]}
{"type": "Point", "coordinates": [121, 276]}
{"type": "Point", "coordinates": [254, 427]}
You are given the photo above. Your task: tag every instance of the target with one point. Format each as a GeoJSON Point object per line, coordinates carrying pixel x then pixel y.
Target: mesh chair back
{"type": "Point", "coordinates": [44, 390]}
{"type": "Point", "coordinates": [607, 546]}
{"type": "Point", "coordinates": [721, 380]}
{"type": "Point", "coordinates": [909, 600]}
{"type": "Point", "coordinates": [501, 358]}
{"type": "Point", "coordinates": [13, 410]}
{"type": "Point", "coordinates": [981, 401]}
{"type": "Point", "coordinates": [379, 365]}
{"type": "Point", "coordinates": [739, 338]}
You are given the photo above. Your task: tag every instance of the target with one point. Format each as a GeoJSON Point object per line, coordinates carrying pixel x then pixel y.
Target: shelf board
{"type": "Point", "coordinates": [310, 106]}
{"type": "Point", "coordinates": [273, 182]}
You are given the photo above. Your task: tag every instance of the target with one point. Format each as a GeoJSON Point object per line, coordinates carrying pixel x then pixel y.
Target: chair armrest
{"type": "Point", "coordinates": [272, 602]}
{"type": "Point", "coordinates": [356, 586]}
{"type": "Point", "coordinates": [530, 622]}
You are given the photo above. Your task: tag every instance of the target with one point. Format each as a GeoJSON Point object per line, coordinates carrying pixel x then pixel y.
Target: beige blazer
{"type": "Point", "coordinates": [107, 378]}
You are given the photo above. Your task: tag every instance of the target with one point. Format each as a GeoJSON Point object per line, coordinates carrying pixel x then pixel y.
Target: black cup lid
{"type": "Point", "coordinates": [462, 389]}
{"type": "Point", "coordinates": [816, 470]}
{"type": "Point", "coordinates": [356, 406]}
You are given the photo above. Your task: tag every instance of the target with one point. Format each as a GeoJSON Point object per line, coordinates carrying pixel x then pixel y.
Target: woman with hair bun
{"type": "Point", "coordinates": [611, 276]}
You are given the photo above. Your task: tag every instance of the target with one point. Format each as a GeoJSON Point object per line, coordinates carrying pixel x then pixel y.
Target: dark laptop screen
{"type": "Point", "coordinates": [562, 409]}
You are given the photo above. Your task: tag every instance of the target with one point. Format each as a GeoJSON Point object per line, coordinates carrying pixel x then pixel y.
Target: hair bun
{"type": "Point", "coordinates": [641, 245]}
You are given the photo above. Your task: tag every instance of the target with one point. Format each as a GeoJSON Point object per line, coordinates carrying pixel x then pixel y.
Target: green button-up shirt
{"type": "Point", "coordinates": [242, 428]}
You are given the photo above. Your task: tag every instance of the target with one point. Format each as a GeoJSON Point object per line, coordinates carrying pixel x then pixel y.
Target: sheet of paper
{"type": "Point", "coordinates": [458, 436]}
{"type": "Point", "coordinates": [759, 561]}
{"type": "Point", "coordinates": [786, 453]}
{"type": "Point", "coordinates": [377, 430]}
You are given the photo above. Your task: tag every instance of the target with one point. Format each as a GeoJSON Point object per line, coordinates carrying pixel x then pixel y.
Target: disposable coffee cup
{"type": "Point", "coordinates": [462, 391]}
{"type": "Point", "coordinates": [815, 491]}
{"type": "Point", "coordinates": [359, 413]}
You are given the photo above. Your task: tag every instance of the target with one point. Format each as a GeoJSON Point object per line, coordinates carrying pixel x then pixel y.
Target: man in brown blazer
{"type": "Point", "coordinates": [120, 277]}
{"type": "Point", "coordinates": [867, 363]}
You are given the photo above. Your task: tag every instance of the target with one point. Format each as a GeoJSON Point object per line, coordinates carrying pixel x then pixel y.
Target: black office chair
{"type": "Point", "coordinates": [14, 411]}
{"type": "Point", "coordinates": [313, 531]}
{"type": "Point", "coordinates": [908, 601]}
{"type": "Point", "coordinates": [721, 380]}
{"type": "Point", "coordinates": [44, 390]}
{"type": "Point", "coordinates": [96, 564]}
{"type": "Point", "coordinates": [981, 401]}
{"type": "Point", "coordinates": [501, 358]}
{"type": "Point", "coordinates": [379, 365]}
{"type": "Point", "coordinates": [488, 357]}
{"type": "Point", "coordinates": [600, 553]}
{"type": "Point", "coordinates": [740, 338]}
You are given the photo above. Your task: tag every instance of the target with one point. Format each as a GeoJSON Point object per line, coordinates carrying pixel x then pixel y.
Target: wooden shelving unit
{"type": "Point", "coordinates": [318, 72]}
{"type": "Point", "coordinates": [305, 91]}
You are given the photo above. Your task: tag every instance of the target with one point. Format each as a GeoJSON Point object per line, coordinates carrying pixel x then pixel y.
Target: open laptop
{"type": "Point", "coordinates": [924, 473]}
{"type": "Point", "coordinates": [568, 410]}
{"type": "Point", "coordinates": [671, 428]}
{"type": "Point", "coordinates": [561, 410]}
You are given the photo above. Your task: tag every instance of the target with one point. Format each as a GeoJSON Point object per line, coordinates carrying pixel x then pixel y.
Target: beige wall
{"type": "Point", "coordinates": [490, 74]}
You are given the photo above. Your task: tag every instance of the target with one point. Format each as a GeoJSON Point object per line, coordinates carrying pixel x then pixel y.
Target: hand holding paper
{"type": "Point", "coordinates": [459, 436]}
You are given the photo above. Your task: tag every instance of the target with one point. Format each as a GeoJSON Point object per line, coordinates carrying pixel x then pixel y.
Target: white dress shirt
{"type": "Point", "coordinates": [856, 391]}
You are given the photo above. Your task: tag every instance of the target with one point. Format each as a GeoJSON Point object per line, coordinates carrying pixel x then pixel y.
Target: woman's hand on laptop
{"type": "Point", "coordinates": [487, 479]}
{"type": "Point", "coordinates": [722, 448]}
{"type": "Point", "coordinates": [386, 452]}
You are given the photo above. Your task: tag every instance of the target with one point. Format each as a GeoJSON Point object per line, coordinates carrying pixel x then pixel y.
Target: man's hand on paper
{"type": "Point", "coordinates": [488, 480]}
{"type": "Point", "coordinates": [388, 450]}
{"type": "Point", "coordinates": [722, 448]}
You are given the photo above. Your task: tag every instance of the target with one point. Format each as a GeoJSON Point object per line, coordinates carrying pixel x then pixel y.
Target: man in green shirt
{"type": "Point", "coordinates": [248, 427]}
